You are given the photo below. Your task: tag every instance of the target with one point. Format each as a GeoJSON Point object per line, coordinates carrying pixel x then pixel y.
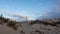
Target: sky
{"type": "Point", "coordinates": [34, 9]}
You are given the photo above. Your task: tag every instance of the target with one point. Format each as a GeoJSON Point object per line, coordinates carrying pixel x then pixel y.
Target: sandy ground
{"type": "Point", "coordinates": [6, 30]}
{"type": "Point", "coordinates": [28, 29]}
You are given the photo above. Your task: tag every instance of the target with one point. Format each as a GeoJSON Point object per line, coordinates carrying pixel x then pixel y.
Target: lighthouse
{"type": "Point", "coordinates": [26, 18]}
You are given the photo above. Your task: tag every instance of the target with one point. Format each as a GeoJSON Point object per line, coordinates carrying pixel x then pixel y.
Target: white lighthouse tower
{"type": "Point", "coordinates": [26, 18]}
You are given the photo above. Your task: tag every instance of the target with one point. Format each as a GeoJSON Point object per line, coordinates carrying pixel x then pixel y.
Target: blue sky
{"type": "Point", "coordinates": [31, 8]}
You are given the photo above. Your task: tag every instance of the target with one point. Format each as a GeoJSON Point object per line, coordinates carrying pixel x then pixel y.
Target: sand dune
{"type": "Point", "coordinates": [26, 28]}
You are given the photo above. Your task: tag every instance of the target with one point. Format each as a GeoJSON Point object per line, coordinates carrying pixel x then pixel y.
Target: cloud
{"type": "Point", "coordinates": [16, 16]}
{"type": "Point", "coordinates": [56, 11]}
{"type": "Point", "coordinates": [12, 15]}
{"type": "Point", "coordinates": [53, 13]}
{"type": "Point", "coordinates": [57, 7]}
